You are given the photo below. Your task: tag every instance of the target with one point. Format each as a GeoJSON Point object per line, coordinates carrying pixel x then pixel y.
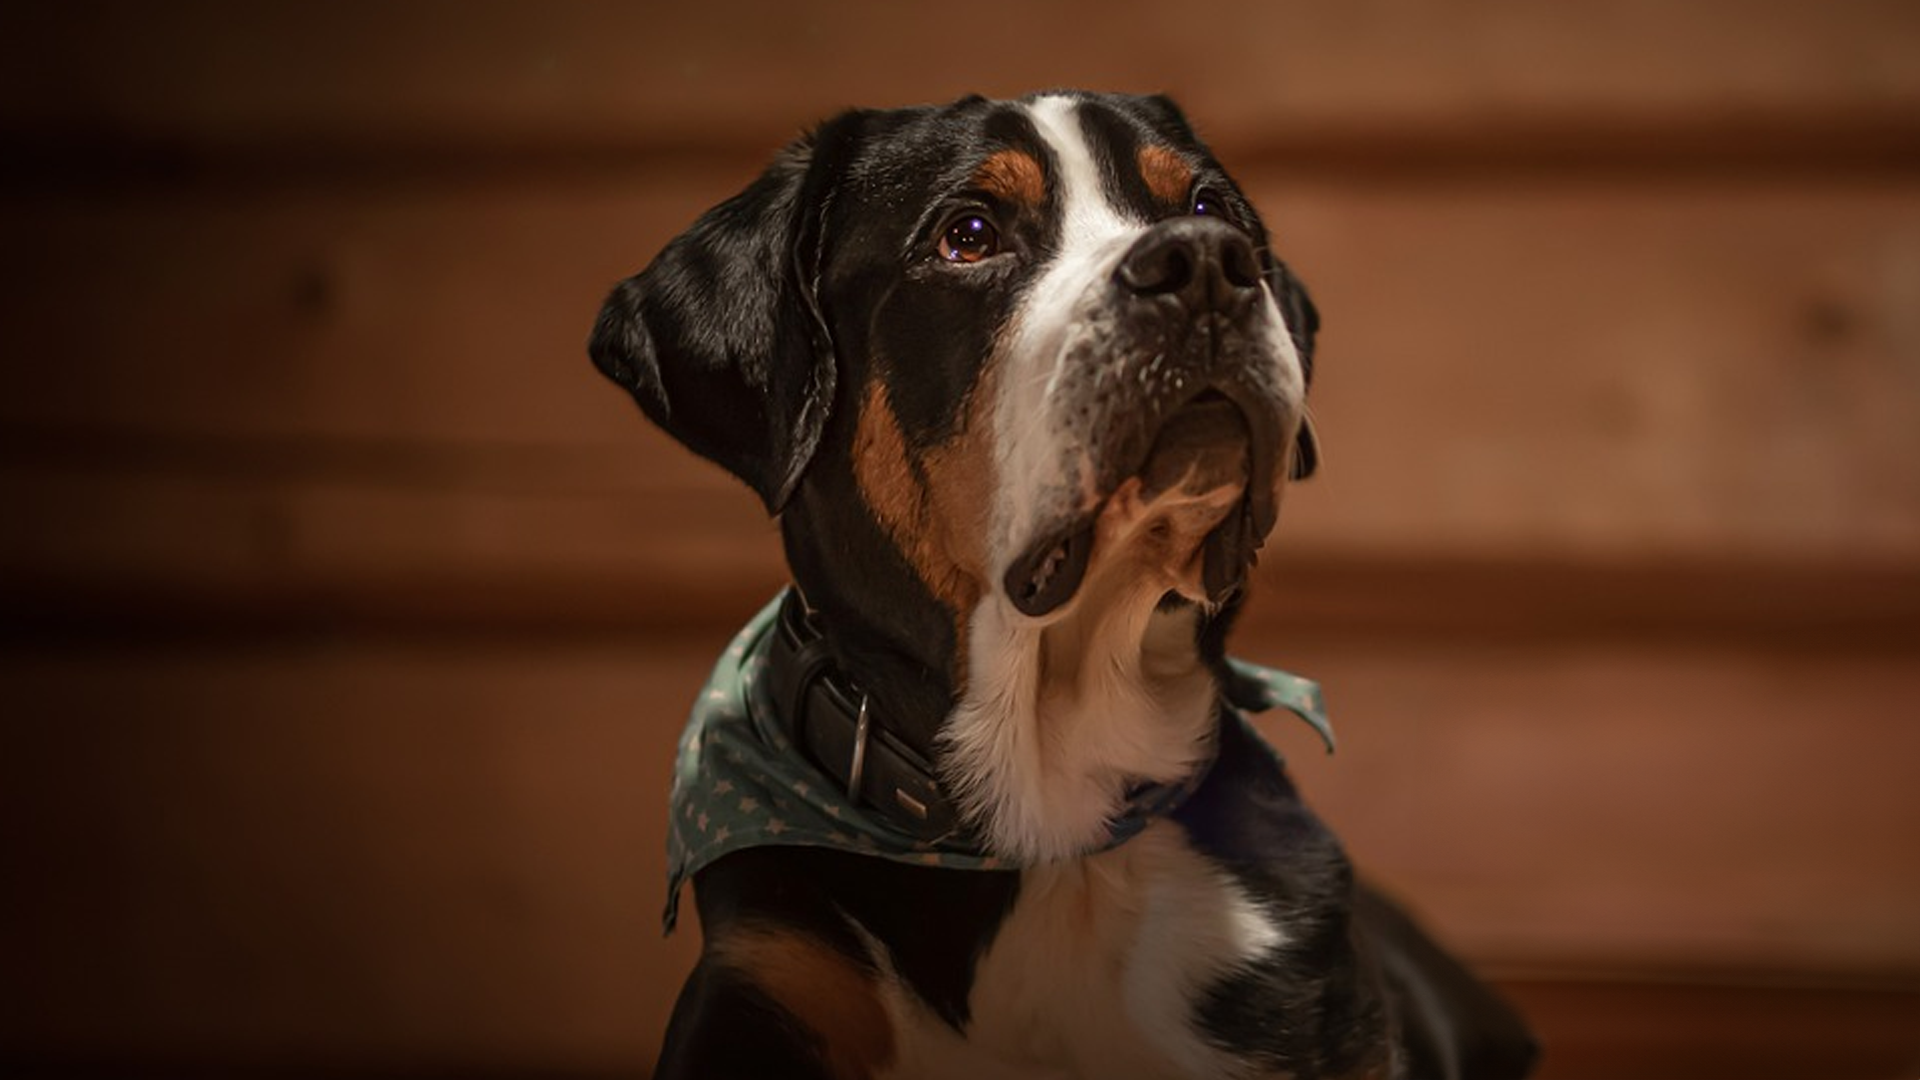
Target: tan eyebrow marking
{"type": "Point", "coordinates": [1013, 176]}
{"type": "Point", "coordinates": [1167, 174]}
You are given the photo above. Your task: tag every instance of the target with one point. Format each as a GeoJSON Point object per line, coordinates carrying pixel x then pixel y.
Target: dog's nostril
{"type": "Point", "coordinates": [1163, 268]}
{"type": "Point", "coordinates": [1238, 265]}
{"type": "Point", "coordinates": [1197, 259]}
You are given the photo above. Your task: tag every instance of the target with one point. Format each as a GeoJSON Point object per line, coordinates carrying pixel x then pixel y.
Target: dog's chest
{"type": "Point", "coordinates": [1097, 971]}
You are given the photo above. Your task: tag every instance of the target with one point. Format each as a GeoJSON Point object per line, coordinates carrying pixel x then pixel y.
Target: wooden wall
{"type": "Point", "coordinates": [349, 616]}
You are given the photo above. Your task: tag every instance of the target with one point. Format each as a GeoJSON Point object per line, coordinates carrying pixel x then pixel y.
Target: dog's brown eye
{"type": "Point", "coordinates": [969, 239]}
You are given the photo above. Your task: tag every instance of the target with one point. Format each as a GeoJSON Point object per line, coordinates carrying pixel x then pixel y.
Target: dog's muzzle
{"type": "Point", "coordinates": [1184, 394]}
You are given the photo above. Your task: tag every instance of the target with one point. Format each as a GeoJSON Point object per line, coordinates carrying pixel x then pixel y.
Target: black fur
{"type": "Point", "coordinates": [758, 1039]}
{"type": "Point", "coordinates": [721, 339]}
{"type": "Point", "coordinates": [817, 891]}
{"type": "Point", "coordinates": [1310, 1008]}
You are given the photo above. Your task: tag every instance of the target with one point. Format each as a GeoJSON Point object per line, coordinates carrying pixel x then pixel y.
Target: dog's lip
{"type": "Point", "coordinates": [1051, 568]}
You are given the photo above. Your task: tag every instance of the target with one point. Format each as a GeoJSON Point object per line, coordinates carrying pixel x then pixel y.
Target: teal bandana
{"type": "Point", "coordinates": [739, 782]}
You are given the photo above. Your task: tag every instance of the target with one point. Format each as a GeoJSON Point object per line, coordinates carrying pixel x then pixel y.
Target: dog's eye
{"type": "Point", "coordinates": [969, 238]}
{"type": "Point", "coordinates": [1207, 204]}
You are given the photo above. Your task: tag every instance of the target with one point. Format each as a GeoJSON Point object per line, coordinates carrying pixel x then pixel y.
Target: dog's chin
{"type": "Point", "coordinates": [1190, 518]}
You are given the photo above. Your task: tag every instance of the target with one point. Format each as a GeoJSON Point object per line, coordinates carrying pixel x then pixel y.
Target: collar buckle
{"type": "Point", "coordinates": [844, 733]}
{"type": "Point", "coordinates": [857, 770]}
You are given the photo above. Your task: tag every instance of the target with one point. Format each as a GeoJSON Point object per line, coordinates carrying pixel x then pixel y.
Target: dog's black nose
{"type": "Point", "coordinates": [1203, 261]}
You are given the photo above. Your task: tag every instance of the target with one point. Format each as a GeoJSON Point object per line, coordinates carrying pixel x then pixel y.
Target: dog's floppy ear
{"type": "Point", "coordinates": [1303, 322]}
{"type": "Point", "coordinates": [721, 339]}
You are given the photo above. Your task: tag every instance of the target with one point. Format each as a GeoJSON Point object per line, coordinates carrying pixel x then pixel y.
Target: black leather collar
{"type": "Point", "coordinates": [847, 735]}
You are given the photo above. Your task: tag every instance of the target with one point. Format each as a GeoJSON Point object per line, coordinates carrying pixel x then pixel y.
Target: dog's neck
{"type": "Point", "coordinates": [1059, 723]}
{"type": "Point", "coordinates": [1056, 727]}
{"type": "Point", "coordinates": [1040, 730]}
{"type": "Point", "coordinates": [886, 630]}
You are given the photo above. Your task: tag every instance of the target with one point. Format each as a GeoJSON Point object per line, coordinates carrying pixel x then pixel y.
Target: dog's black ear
{"type": "Point", "coordinates": [721, 338]}
{"type": "Point", "coordinates": [1303, 323]}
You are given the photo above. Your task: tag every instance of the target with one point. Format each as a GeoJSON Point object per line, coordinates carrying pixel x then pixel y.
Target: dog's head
{"type": "Point", "coordinates": [1031, 364]}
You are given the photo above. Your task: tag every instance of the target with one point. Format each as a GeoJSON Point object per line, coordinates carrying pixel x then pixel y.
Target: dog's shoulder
{"type": "Point", "coordinates": [830, 945]}
{"type": "Point", "coordinates": [1249, 821]}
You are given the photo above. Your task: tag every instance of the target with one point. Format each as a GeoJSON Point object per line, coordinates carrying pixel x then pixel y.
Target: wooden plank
{"type": "Point", "coordinates": [1601, 1028]}
{"type": "Point", "coordinates": [408, 314]}
{"type": "Point", "coordinates": [237, 556]}
{"type": "Point", "coordinates": [405, 849]}
{"type": "Point", "coordinates": [340, 852]}
{"type": "Point", "coordinates": [1618, 806]}
{"type": "Point", "coordinates": [109, 554]}
{"type": "Point", "coordinates": [1667, 373]}
{"type": "Point", "coordinates": [223, 73]}
{"type": "Point", "coordinates": [1608, 369]}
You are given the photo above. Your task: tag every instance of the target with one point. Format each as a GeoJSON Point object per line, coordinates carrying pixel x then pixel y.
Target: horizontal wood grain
{"type": "Point", "coordinates": [1699, 806]}
{"type": "Point", "coordinates": [363, 382]}
{"type": "Point", "coordinates": [420, 848]}
{"type": "Point", "coordinates": [756, 72]}
{"type": "Point", "coordinates": [332, 851]}
{"type": "Point", "coordinates": [1603, 1028]}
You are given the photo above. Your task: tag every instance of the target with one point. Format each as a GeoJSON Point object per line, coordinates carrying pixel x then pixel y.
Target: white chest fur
{"type": "Point", "coordinates": [1096, 971]}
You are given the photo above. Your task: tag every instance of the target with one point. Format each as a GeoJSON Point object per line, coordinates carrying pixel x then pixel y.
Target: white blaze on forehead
{"type": "Point", "coordinates": [1094, 234]}
{"type": "Point", "coordinates": [1088, 219]}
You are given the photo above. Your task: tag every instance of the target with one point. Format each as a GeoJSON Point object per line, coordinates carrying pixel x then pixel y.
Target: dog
{"type": "Point", "coordinates": [1024, 383]}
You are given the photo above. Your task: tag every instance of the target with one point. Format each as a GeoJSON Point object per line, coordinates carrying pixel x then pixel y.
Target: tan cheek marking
{"type": "Point", "coordinates": [1012, 176]}
{"type": "Point", "coordinates": [940, 527]}
{"type": "Point", "coordinates": [822, 989]}
{"type": "Point", "coordinates": [962, 475]}
{"type": "Point", "coordinates": [1167, 174]}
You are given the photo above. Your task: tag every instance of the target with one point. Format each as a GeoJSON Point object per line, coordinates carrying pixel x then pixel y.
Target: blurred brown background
{"type": "Point", "coordinates": [350, 617]}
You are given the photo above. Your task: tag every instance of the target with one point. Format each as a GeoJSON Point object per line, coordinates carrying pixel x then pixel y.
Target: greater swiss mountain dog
{"type": "Point", "coordinates": [1024, 382]}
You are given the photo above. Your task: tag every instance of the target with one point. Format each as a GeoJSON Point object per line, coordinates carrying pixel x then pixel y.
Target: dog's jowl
{"type": "Point", "coordinates": [977, 796]}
